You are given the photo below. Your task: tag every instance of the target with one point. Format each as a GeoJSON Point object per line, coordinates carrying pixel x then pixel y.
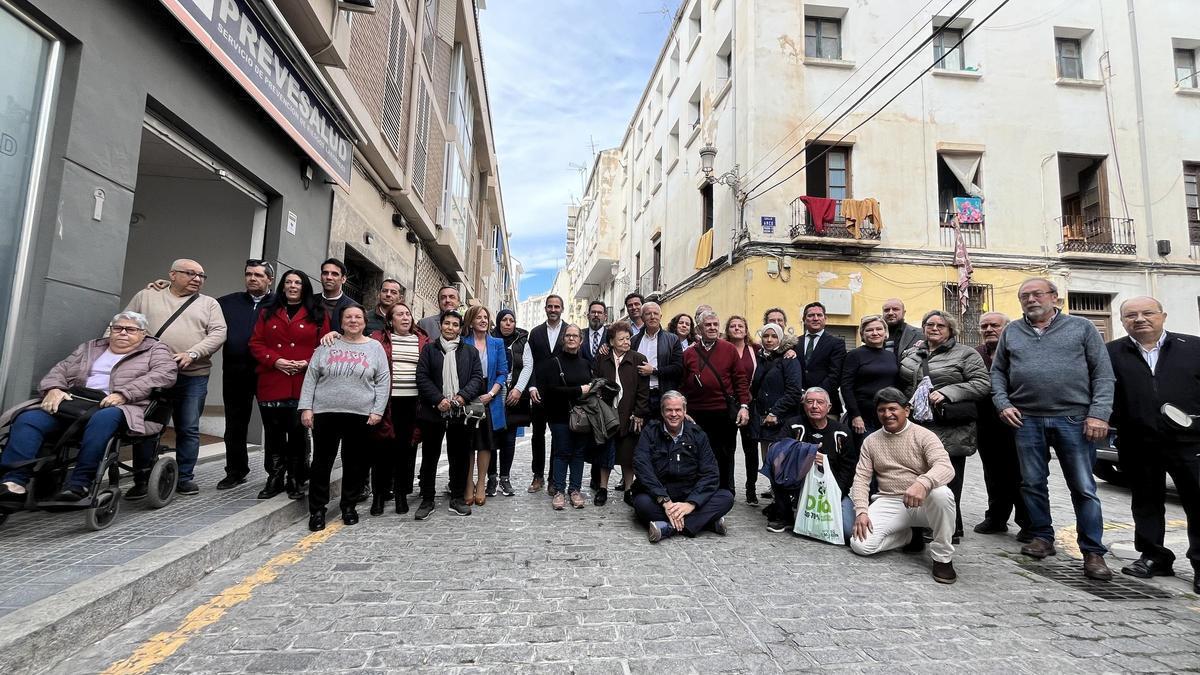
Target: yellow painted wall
{"type": "Point", "coordinates": [746, 289]}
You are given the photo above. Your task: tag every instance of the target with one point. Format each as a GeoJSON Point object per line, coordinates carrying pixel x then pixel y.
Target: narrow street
{"type": "Point", "coordinates": [517, 587]}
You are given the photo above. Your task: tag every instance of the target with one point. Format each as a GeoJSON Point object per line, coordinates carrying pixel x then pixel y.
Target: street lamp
{"type": "Point", "coordinates": [708, 155]}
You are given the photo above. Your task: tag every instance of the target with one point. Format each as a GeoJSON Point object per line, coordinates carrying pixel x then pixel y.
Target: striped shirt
{"type": "Point", "coordinates": [404, 365]}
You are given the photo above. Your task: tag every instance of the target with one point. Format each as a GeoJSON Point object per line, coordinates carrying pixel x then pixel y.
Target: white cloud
{"type": "Point", "coordinates": [560, 74]}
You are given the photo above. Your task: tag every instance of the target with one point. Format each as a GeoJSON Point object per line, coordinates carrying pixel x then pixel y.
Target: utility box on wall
{"type": "Point", "coordinates": [836, 300]}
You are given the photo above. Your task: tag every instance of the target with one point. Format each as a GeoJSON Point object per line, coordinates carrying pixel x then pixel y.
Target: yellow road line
{"type": "Point", "coordinates": [158, 648]}
{"type": "Point", "coordinates": [1066, 537]}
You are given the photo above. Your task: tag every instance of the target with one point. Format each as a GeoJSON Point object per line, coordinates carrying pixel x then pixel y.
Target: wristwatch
{"type": "Point", "coordinates": [194, 355]}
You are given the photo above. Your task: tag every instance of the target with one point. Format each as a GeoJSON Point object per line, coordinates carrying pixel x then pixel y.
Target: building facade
{"type": "Point", "coordinates": [140, 132]}
{"type": "Point", "coordinates": [1071, 126]}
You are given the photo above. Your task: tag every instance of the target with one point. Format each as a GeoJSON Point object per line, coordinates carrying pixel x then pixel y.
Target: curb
{"type": "Point", "coordinates": [37, 637]}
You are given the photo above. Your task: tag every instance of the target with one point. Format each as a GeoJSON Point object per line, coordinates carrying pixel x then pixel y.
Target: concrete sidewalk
{"type": "Point", "coordinates": [63, 586]}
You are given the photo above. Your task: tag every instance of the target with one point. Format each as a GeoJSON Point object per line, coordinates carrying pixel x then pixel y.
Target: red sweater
{"type": "Point", "coordinates": [709, 393]}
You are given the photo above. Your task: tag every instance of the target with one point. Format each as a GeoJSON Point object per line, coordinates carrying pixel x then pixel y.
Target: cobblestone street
{"type": "Point", "coordinates": [519, 587]}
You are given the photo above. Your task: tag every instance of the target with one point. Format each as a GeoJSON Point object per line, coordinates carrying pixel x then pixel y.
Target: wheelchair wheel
{"type": "Point", "coordinates": [108, 504]}
{"type": "Point", "coordinates": [163, 478]}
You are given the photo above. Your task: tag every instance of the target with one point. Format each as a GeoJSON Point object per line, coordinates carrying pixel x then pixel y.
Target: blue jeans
{"type": "Point", "coordinates": [847, 518]}
{"type": "Point", "coordinates": [187, 403]}
{"type": "Point", "coordinates": [30, 429]}
{"type": "Point", "coordinates": [1076, 455]}
{"type": "Point", "coordinates": [570, 451]}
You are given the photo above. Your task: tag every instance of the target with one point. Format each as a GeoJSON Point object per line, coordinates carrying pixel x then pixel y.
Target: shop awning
{"type": "Point", "coordinates": [255, 46]}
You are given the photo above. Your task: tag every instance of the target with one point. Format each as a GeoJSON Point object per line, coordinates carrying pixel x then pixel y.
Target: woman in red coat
{"type": "Point", "coordinates": [284, 340]}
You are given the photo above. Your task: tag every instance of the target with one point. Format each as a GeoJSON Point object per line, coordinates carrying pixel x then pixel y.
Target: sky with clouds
{"type": "Point", "coordinates": [560, 74]}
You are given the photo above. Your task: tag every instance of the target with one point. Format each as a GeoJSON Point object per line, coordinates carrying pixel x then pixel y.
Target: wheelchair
{"type": "Point", "coordinates": [59, 454]}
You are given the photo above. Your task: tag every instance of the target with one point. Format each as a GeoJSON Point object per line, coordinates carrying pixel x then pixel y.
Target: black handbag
{"type": "Point", "coordinates": [951, 413]}
{"type": "Point", "coordinates": [732, 406]}
{"type": "Point", "coordinates": [82, 401]}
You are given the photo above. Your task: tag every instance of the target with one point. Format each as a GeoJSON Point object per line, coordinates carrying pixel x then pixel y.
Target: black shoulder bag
{"type": "Point", "coordinates": [171, 319]}
{"type": "Point", "coordinates": [950, 413]}
{"type": "Point", "coordinates": [731, 403]}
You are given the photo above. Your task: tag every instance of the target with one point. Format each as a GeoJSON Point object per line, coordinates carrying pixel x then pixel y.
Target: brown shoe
{"type": "Point", "coordinates": [1094, 567]}
{"type": "Point", "coordinates": [943, 572]}
{"type": "Point", "coordinates": [577, 500]}
{"type": "Point", "coordinates": [1039, 548]}
{"type": "Point", "coordinates": [559, 502]}
{"type": "Point", "coordinates": [535, 486]}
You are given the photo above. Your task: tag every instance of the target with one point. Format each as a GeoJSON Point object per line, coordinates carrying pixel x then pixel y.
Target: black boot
{"type": "Point", "coordinates": [293, 484]}
{"type": "Point", "coordinates": [275, 477]}
{"type": "Point", "coordinates": [377, 503]}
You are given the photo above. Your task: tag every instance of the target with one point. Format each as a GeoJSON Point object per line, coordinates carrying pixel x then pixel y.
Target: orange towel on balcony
{"type": "Point", "coordinates": [857, 211]}
{"type": "Point", "coordinates": [821, 212]}
{"type": "Point", "coordinates": [704, 250]}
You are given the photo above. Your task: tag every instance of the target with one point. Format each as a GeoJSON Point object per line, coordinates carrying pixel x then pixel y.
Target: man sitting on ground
{"type": "Point", "coordinates": [912, 469]}
{"type": "Point", "coordinates": [677, 476]}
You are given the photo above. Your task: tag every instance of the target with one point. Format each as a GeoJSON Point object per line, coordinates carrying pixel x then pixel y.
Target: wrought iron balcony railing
{"type": "Point", "coordinates": [803, 227]}
{"type": "Point", "coordinates": [1097, 234]}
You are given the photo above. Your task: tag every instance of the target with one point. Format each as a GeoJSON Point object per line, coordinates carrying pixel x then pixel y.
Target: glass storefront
{"type": "Point", "coordinates": [25, 63]}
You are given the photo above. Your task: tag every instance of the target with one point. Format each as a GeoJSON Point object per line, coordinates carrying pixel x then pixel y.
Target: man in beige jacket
{"type": "Point", "coordinates": [193, 326]}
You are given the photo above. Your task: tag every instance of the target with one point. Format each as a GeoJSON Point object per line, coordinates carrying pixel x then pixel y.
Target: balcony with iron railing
{"type": "Point", "coordinates": [1090, 236]}
{"type": "Point", "coordinates": [650, 282]}
{"type": "Point", "coordinates": [836, 233]}
{"type": "Point", "coordinates": [973, 233]}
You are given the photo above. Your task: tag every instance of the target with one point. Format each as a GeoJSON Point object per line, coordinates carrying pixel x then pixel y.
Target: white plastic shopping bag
{"type": "Point", "coordinates": [819, 509]}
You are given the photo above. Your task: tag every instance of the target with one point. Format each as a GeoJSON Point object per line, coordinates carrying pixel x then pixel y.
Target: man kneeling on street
{"type": "Point", "coordinates": [677, 476]}
{"type": "Point", "coordinates": [912, 469]}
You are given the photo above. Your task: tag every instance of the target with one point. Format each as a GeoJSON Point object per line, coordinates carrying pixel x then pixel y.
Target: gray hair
{"type": "Point", "coordinates": [139, 319]}
{"type": "Point", "coordinates": [651, 302]}
{"type": "Point", "coordinates": [951, 322]}
{"type": "Point", "coordinates": [1002, 315]}
{"type": "Point", "coordinates": [672, 394]}
{"type": "Point", "coordinates": [817, 390]}
{"type": "Point", "coordinates": [1051, 284]}
{"type": "Point", "coordinates": [704, 316]}
{"type": "Point", "coordinates": [891, 395]}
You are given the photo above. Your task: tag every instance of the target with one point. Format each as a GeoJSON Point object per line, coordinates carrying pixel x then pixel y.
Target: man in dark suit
{"type": "Point", "coordinates": [901, 336]}
{"type": "Point", "coordinates": [1154, 367]}
{"type": "Point", "coordinates": [821, 354]}
{"type": "Point", "coordinates": [596, 336]}
{"type": "Point", "coordinates": [664, 356]}
{"type": "Point", "coordinates": [545, 341]}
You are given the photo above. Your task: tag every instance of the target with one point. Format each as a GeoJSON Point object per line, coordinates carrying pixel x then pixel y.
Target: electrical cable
{"type": "Point", "coordinates": [928, 40]}
{"type": "Point", "coordinates": [846, 81]}
{"type": "Point", "coordinates": [872, 115]}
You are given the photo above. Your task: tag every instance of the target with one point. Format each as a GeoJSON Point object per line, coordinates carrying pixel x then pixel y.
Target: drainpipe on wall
{"type": "Point", "coordinates": [1144, 154]}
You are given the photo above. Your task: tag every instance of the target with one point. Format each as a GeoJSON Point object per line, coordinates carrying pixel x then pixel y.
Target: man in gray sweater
{"type": "Point", "coordinates": [1053, 382]}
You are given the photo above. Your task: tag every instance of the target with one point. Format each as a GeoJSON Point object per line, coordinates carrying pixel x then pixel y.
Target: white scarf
{"type": "Point", "coordinates": [449, 367]}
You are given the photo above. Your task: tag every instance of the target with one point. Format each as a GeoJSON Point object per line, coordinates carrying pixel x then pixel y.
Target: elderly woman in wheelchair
{"type": "Point", "coordinates": [100, 390]}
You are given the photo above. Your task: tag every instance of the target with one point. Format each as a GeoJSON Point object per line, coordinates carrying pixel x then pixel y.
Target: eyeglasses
{"type": "Point", "coordinates": [573, 336]}
{"type": "Point", "coordinates": [1034, 294]}
{"type": "Point", "coordinates": [1132, 316]}
{"type": "Point", "coordinates": [131, 330]}
{"type": "Point", "coordinates": [936, 326]}
{"type": "Point", "coordinates": [192, 275]}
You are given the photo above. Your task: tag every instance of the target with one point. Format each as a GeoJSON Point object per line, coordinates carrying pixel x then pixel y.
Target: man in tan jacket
{"type": "Point", "coordinates": [193, 326]}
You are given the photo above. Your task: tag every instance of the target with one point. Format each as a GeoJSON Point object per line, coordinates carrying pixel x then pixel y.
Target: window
{"type": "Point", "coordinates": [430, 13]}
{"type": "Point", "coordinates": [1095, 307]}
{"type": "Point", "coordinates": [945, 55]}
{"type": "Point", "coordinates": [674, 65]}
{"type": "Point", "coordinates": [694, 108]}
{"type": "Point", "coordinates": [694, 25]}
{"type": "Point", "coordinates": [958, 175]}
{"type": "Point", "coordinates": [725, 61]}
{"type": "Point", "coordinates": [673, 145]}
{"type": "Point", "coordinates": [637, 196]}
{"type": "Point", "coordinates": [1070, 57]}
{"type": "Point", "coordinates": [979, 301]}
{"type": "Point", "coordinates": [658, 169]}
{"type": "Point", "coordinates": [706, 201]}
{"type": "Point", "coordinates": [1191, 191]}
{"type": "Point", "coordinates": [637, 139]}
{"type": "Point", "coordinates": [823, 38]}
{"type": "Point", "coordinates": [1185, 69]}
{"type": "Point", "coordinates": [421, 151]}
{"type": "Point", "coordinates": [393, 90]}
{"type": "Point", "coordinates": [659, 101]}
{"type": "Point", "coordinates": [656, 270]}
{"type": "Point", "coordinates": [829, 174]}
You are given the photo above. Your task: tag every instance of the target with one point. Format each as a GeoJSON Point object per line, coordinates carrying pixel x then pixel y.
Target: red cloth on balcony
{"type": "Point", "coordinates": [821, 212]}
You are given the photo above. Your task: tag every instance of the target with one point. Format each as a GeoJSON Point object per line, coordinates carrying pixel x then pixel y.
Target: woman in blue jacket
{"type": "Point", "coordinates": [478, 323]}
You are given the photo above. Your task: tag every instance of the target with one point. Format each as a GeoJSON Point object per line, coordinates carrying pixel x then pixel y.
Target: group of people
{"type": "Point", "coordinates": [894, 419]}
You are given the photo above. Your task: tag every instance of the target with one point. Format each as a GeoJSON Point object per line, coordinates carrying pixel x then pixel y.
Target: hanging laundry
{"type": "Point", "coordinates": [857, 211]}
{"type": "Point", "coordinates": [821, 212]}
{"type": "Point", "coordinates": [704, 249]}
{"type": "Point", "coordinates": [969, 210]}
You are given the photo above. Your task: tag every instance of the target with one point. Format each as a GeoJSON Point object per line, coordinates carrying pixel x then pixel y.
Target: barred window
{"type": "Point", "coordinates": [980, 301]}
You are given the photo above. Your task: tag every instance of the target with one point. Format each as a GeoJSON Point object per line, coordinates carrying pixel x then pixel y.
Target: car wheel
{"type": "Point", "coordinates": [1110, 472]}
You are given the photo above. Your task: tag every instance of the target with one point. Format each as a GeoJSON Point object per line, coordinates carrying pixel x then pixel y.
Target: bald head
{"type": "Point", "coordinates": [1143, 318]}
{"type": "Point", "coordinates": [893, 312]}
{"type": "Point", "coordinates": [187, 276]}
{"type": "Point", "coordinates": [1140, 300]}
